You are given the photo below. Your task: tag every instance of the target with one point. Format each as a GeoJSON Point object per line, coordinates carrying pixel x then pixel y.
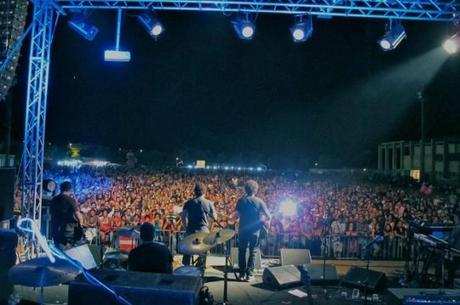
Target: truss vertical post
{"type": "Point", "coordinates": [43, 24]}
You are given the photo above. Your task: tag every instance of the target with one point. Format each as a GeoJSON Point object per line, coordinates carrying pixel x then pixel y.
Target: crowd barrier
{"type": "Point", "coordinates": [331, 247]}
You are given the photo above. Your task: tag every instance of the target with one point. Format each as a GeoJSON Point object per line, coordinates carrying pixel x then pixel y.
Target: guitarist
{"type": "Point", "coordinates": [252, 212]}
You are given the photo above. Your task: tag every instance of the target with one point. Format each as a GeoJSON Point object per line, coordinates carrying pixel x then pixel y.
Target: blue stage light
{"type": "Point", "coordinates": [302, 29]}
{"type": "Point", "coordinates": [151, 24]}
{"type": "Point", "coordinates": [117, 56]}
{"type": "Point", "coordinates": [395, 33]}
{"type": "Point", "coordinates": [244, 27]}
{"type": "Point", "coordinates": [80, 24]}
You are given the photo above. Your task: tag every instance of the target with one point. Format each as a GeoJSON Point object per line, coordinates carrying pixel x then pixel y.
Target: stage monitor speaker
{"type": "Point", "coordinates": [295, 257]}
{"type": "Point", "coordinates": [137, 287]}
{"type": "Point", "coordinates": [281, 277]}
{"type": "Point", "coordinates": [356, 277]}
{"type": "Point", "coordinates": [316, 274]}
{"type": "Point", "coordinates": [7, 179]}
{"type": "Point", "coordinates": [234, 257]}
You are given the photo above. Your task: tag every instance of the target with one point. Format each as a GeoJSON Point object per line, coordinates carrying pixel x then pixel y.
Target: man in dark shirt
{"type": "Point", "coordinates": [195, 218]}
{"type": "Point", "coordinates": [65, 218]}
{"type": "Point", "coordinates": [251, 210]}
{"type": "Point", "coordinates": [150, 256]}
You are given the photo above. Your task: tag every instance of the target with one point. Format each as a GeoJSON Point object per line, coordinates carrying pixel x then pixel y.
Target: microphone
{"type": "Point", "coordinates": [378, 239]}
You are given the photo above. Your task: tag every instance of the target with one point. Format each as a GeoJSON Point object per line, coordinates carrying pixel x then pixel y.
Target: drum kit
{"type": "Point", "coordinates": [40, 272]}
{"type": "Point", "coordinates": [201, 242]}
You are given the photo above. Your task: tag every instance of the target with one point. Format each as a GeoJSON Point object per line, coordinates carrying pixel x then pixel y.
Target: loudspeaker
{"type": "Point", "coordinates": [281, 277]}
{"type": "Point", "coordinates": [356, 277]}
{"type": "Point", "coordinates": [137, 287]}
{"type": "Point", "coordinates": [7, 178]}
{"type": "Point", "coordinates": [316, 274]}
{"type": "Point", "coordinates": [295, 257]}
{"type": "Point", "coordinates": [234, 257]}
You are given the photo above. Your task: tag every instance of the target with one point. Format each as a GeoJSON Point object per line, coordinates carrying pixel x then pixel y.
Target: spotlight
{"type": "Point", "coordinates": [49, 185]}
{"type": "Point", "coordinates": [244, 27]}
{"type": "Point", "coordinates": [151, 24]}
{"type": "Point", "coordinates": [288, 208]}
{"type": "Point", "coordinates": [302, 29]}
{"type": "Point", "coordinates": [80, 24]}
{"type": "Point", "coordinates": [452, 44]}
{"type": "Point", "coordinates": [395, 33]}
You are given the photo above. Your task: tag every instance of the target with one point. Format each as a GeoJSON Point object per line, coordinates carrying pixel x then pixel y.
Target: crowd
{"type": "Point", "coordinates": [345, 213]}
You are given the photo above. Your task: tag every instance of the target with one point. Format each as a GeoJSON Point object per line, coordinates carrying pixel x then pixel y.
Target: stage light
{"type": "Point", "coordinates": [189, 166]}
{"type": "Point", "coordinates": [259, 169]}
{"type": "Point", "coordinates": [49, 185]}
{"type": "Point", "coordinates": [288, 208]}
{"type": "Point", "coordinates": [244, 27]}
{"type": "Point", "coordinates": [302, 29]}
{"type": "Point", "coordinates": [394, 34]}
{"type": "Point", "coordinates": [226, 168]}
{"type": "Point", "coordinates": [80, 24]}
{"type": "Point", "coordinates": [151, 24]}
{"type": "Point", "coordinates": [117, 56]}
{"type": "Point", "coordinates": [452, 45]}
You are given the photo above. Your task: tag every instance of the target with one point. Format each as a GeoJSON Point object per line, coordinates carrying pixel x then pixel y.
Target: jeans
{"type": "Point", "coordinates": [245, 240]}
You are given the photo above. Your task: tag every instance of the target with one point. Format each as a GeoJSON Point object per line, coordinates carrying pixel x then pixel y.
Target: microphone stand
{"type": "Point", "coordinates": [366, 281]}
{"type": "Point", "coordinates": [227, 259]}
{"type": "Point", "coordinates": [326, 229]}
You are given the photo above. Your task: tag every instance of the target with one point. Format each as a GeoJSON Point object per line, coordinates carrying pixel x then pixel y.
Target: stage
{"type": "Point", "coordinates": [243, 293]}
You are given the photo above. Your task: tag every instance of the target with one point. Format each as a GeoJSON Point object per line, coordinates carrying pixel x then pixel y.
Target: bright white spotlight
{"type": "Point", "coordinates": [244, 27]}
{"type": "Point", "coordinates": [452, 44]}
{"type": "Point", "coordinates": [288, 208]}
{"type": "Point", "coordinates": [302, 29]}
{"type": "Point", "coordinates": [151, 24]}
{"type": "Point", "coordinates": [394, 34]}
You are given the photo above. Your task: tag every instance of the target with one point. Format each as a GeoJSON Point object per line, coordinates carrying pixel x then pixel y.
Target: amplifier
{"type": "Point", "coordinates": [137, 287]}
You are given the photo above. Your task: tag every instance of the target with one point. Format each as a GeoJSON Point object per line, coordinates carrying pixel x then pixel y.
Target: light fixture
{"type": "Point", "coordinates": [393, 36]}
{"type": "Point", "coordinates": [244, 27]}
{"type": "Point", "coordinates": [117, 55]}
{"type": "Point", "coordinates": [151, 24]}
{"type": "Point", "coordinates": [452, 45]}
{"type": "Point", "coordinates": [80, 24]}
{"type": "Point", "coordinates": [302, 28]}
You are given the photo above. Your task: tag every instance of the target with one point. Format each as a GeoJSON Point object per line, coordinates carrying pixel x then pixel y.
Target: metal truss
{"type": "Point", "coordinates": [45, 15]}
{"type": "Point", "coordinates": [425, 10]}
{"type": "Point", "coordinates": [43, 23]}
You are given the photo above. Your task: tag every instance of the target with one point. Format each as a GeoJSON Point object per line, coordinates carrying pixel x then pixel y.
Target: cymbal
{"type": "Point", "coordinates": [40, 272]}
{"type": "Point", "coordinates": [219, 237]}
{"type": "Point", "coordinates": [194, 244]}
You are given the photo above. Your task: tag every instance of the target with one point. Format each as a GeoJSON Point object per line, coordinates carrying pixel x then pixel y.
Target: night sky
{"type": "Point", "coordinates": [199, 86]}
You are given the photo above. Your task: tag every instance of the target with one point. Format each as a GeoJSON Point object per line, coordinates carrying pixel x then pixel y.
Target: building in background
{"type": "Point", "coordinates": [439, 162]}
